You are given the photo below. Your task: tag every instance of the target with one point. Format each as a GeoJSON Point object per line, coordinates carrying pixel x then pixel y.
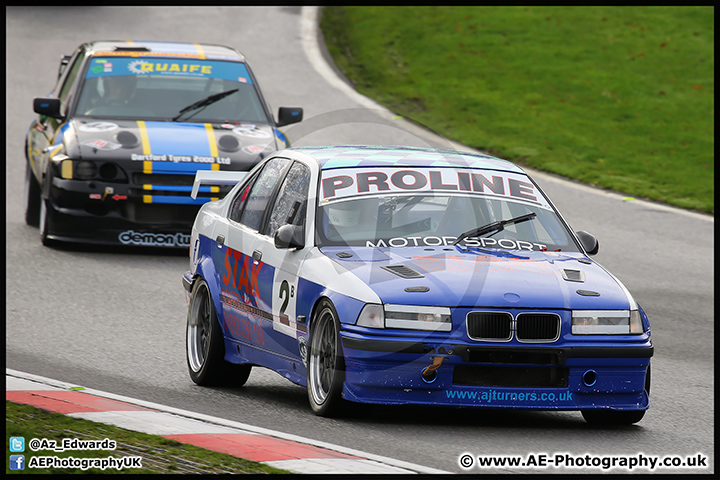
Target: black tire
{"type": "Point", "coordinates": [45, 224]}
{"type": "Point", "coordinates": [204, 344]}
{"type": "Point", "coordinates": [33, 197]}
{"type": "Point", "coordinates": [326, 364]}
{"type": "Point", "coordinates": [613, 417]}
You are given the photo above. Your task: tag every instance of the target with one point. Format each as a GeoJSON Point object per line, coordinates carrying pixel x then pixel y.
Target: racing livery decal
{"type": "Point", "coordinates": [285, 300]}
{"type": "Point", "coordinates": [154, 239]}
{"type": "Point", "coordinates": [245, 296]}
{"type": "Point", "coordinates": [234, 71]}
{"type": "Point", "coordinates": [350, 183]}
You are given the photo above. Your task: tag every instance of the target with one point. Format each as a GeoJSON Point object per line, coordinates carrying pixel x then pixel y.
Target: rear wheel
{"type": "Point", "coordinates": [326, 365]}
{"type": "Point", "coordinates": [205, 346]}
{"type": "Point", "coordinates": [33, 197]}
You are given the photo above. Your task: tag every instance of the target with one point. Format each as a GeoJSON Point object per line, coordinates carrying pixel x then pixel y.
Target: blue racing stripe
{"type": "Point", "coordinates": [179, 188]}
{"type": "Point", "coordinates": [179, 168]}
{"type": "Point", "coordinates": [172, 139]}
{"type": "Point", "coordinates": [179, 200]}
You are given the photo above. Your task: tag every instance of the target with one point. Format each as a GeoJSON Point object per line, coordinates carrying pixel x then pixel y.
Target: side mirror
{"type": "Point", "coordinates": [588, 241]}
{"type": "Point", "coordinates": [288, 115]}
{"type": "Point", "coordinates": [50, 107]}
{"type": "Point", "coordinates": [289, 236]}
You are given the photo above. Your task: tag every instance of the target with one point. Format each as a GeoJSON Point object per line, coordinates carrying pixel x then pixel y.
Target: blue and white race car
{"type": "Point", "coordinates": [398, 275]}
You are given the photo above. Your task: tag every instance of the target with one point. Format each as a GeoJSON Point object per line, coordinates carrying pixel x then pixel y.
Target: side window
{"type": "Point", "coordinates": [65, 94]}
{"type": "Point", "coordinates": [239, 201]}
{"type": "Point", "coordinates": [259, 194]}
{"type": "Point", "coordinates": [291, 203]}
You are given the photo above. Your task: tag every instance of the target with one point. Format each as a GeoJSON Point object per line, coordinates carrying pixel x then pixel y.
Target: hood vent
{"type": "Point", "coordinates": [588, 293]}
{"type": "Point", "coordinates": [403, 271]}
{"type": "Point", "coordinates": [417, 289]}
{"type": "Point", "coordinates": [573, 275]}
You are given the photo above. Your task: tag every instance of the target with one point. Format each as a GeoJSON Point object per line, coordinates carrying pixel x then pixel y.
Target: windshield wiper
{"type": "Point", "coordinates": [204, 102]}
{"type": "Point", "coordinates": [494, 227]}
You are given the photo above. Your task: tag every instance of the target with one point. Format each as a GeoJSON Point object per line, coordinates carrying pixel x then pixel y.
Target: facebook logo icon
{"type": "Point", "coordinates": [17, 462]}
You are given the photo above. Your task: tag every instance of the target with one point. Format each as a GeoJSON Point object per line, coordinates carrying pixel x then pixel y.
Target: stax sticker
{"type": "Point", "coordinates": [346, 183]}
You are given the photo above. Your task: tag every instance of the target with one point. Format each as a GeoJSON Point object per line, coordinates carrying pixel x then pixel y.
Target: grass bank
{"type": "Point", "coordinates": [158, 454]}
{"type": "Point", "coordinates": [617, 97]}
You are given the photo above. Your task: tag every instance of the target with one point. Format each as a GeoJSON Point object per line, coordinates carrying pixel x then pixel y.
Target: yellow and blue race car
{"type": "Point", "coordinates": [114, 150]}
{"type": "Point", "coordinates": [397, 275]}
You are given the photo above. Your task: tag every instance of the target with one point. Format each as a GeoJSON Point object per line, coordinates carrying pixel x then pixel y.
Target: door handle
{"type": "Point", "coordinates": [257, 255]}
{"type": "Point", "coordinates": [220, 239]}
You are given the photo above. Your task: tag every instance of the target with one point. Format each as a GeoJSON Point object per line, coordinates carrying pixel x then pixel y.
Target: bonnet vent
{"type": "Point", "coordinates": [573, 275]}
{"type": "Point", "coordinates": [403, 271]}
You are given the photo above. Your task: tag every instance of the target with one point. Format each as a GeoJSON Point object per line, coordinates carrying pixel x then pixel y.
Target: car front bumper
{"type": "Point", "coordinates": [568, 377]}
{"type": "Point", "coordinates": [90, 212]}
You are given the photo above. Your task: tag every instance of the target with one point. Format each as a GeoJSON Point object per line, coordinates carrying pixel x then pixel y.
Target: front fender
{"type": "Point", "coordinates": [311, 294]}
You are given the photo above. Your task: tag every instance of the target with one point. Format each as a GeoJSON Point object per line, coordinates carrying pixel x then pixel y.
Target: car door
{"type": "Point", "coordinates": [246, 281]}
{"type": "Point", "coordinates": [289, 207]}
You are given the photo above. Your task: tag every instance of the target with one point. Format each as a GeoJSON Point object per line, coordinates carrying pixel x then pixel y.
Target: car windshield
{"type": "Point", "coordinates": [161, 88]}
{"type": "Point", "coordinates": [371, 214]}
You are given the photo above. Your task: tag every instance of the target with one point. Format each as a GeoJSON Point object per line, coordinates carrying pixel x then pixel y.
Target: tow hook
{"type": "Point", "coordinates": [429, 374]}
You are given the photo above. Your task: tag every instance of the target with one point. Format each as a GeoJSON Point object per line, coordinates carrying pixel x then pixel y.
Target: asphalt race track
{"type": "Point", "coordinates": [115, 320]}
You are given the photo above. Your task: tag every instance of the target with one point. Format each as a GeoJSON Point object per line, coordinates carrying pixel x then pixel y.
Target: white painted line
{"type": "Point", "coordinates": [13, 384]}
{"type": "Point", "coordinates": [335, 465]}
{"type": "Point", "coordinates": [309, 22]}
{"type": "Point", "coordinates": [156, 423]}
{"type": "Point", "coordinates": [228, 423]}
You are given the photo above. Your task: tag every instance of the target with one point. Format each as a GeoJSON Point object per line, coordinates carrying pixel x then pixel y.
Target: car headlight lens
{"type": "Point", "coordinates": [606, 322]}
{"type": "Point", "coordinates": [418, 317]}
{"type": "Point", "coordinates": [436, 319]}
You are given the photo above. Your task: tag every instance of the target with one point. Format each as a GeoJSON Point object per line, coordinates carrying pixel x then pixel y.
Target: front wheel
{"type": "Point", "coordinates": [326, 365]}
{"type": "Point", "coordinates": [45, 223]}
{"type": "Point", "coordinates": [204, 345]}
{"type": "Point", "coordinates": [33, 197]}
{"type": "Point", "coordinates": [612, 417]}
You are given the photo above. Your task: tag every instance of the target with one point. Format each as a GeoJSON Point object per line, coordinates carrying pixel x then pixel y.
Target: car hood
{"type": "Point", "coordinates": [236, 147]}
{"type": "Point", "coordinates": [474, 277]}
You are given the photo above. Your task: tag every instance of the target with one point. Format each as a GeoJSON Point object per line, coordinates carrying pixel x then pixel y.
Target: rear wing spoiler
{"type": "Point", "coordinates": [215, 177]}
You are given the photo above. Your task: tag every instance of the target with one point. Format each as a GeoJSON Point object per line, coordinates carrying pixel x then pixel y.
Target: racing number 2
{"type": "Point", "coordinates": [283, 305]}
{"type": "Point", "coordinates": [286, 292]}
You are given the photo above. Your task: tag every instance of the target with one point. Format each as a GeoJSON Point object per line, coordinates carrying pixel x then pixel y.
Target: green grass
{"type": "Point", "coordinates": [617, 97]}
{"type": "Point", "coordinates": [159, 455]}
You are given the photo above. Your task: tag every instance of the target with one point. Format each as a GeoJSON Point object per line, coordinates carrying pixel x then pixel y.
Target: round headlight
{"type": "Point", "coordinates": [85, 170]}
